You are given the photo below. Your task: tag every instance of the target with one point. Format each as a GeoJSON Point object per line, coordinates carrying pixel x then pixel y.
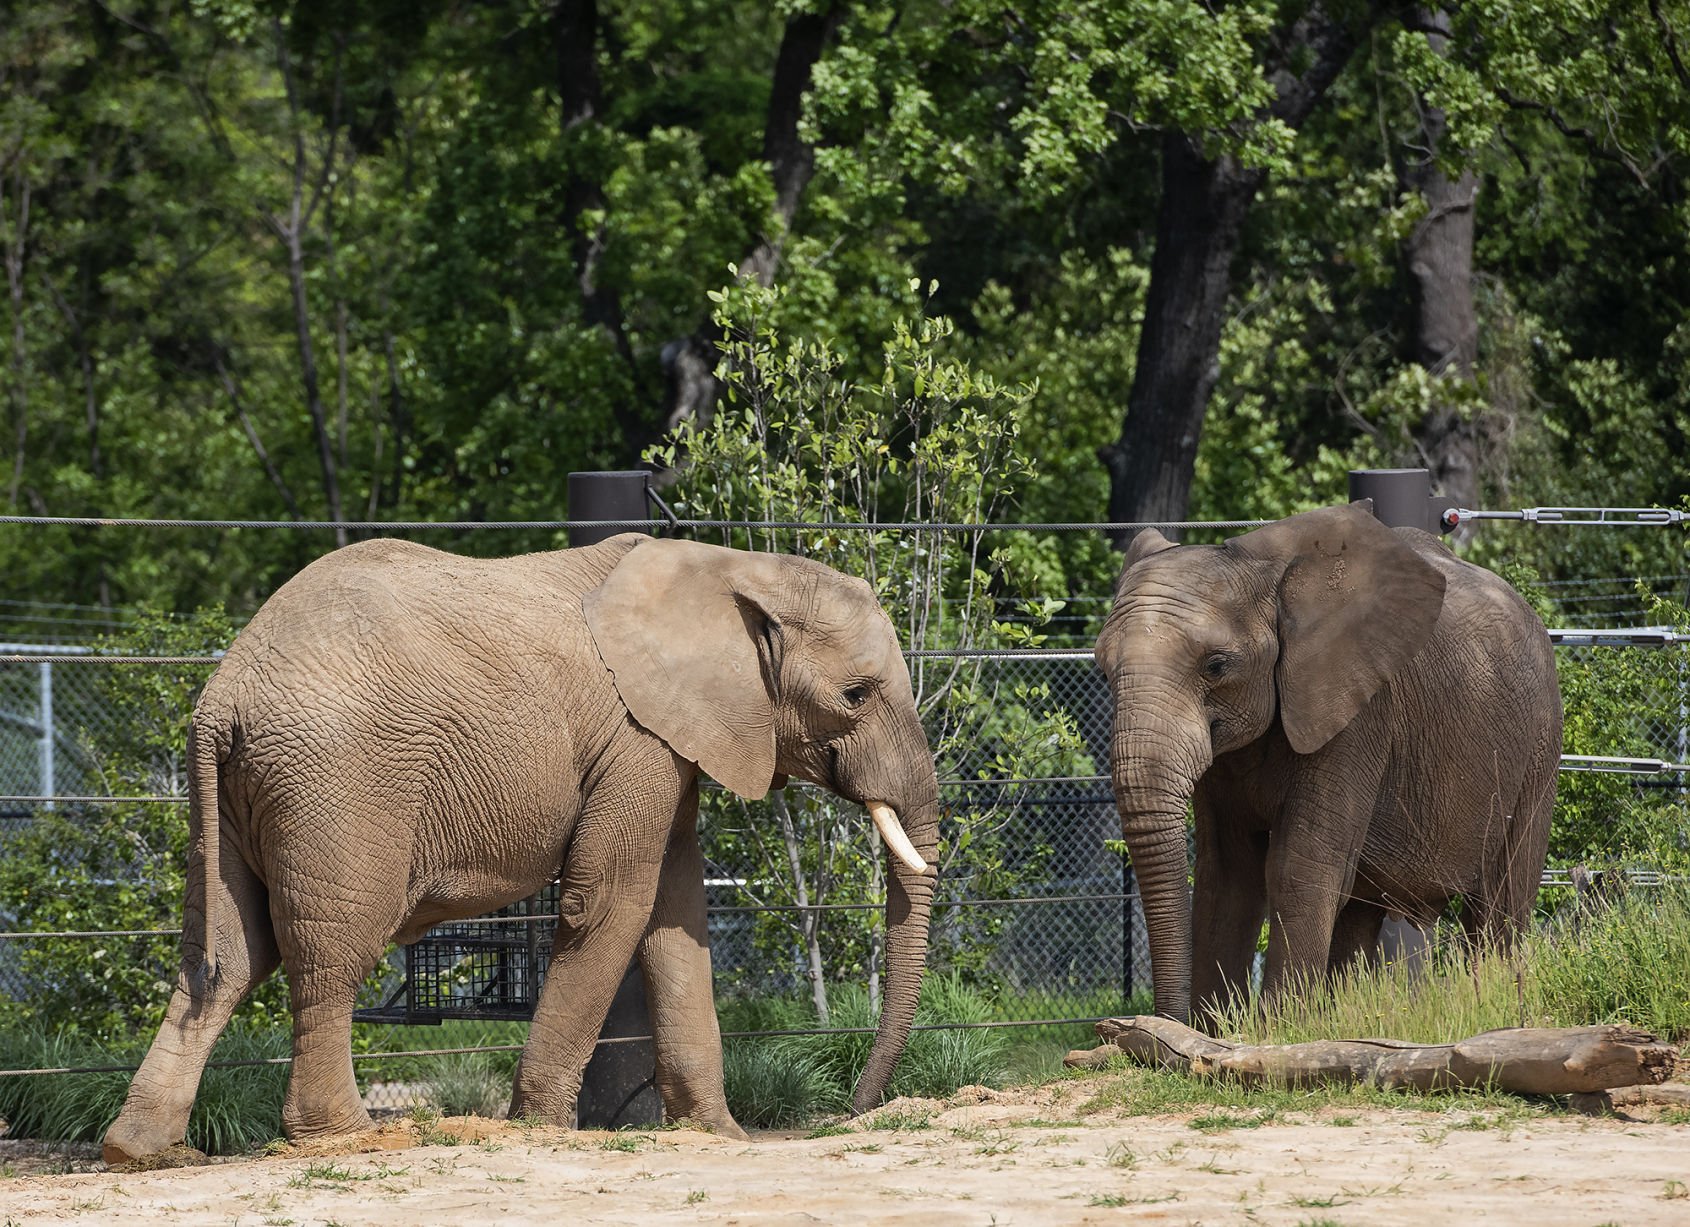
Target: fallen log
{"type": "Point", "coordinates": [1525, 1060]}
{"type": "Point", "coordinates": [1600, 1103]}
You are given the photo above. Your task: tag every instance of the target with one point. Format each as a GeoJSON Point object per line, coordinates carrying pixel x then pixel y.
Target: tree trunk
{"type": "Point", "coordinates": [1198, 229]}
{"type": "Point", "coordinates": [1524, 1060]}
{"type": "Point", "coordinates": [1204, 204]}
{"type": "Point", "coordinates": [689, 363]}
{"type": "Point", "coordinates": [18, 396]}
{"type": "Point", "coordinates": [1439, 254]}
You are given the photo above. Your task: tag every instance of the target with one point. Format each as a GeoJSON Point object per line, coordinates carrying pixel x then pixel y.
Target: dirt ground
{"type": "Point", "coordinates": [1023, 1157]}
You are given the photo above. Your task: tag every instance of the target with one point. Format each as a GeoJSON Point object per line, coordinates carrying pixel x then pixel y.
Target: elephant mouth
{"type": "Point", "coordinates": [892, 833]}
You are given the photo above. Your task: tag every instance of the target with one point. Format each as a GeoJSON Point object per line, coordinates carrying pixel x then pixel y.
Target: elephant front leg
{"type": "Point", "coordinates": [675, 956]}
{"type": "Point", "coordinates": [1228, 905]}
{"type": "Point", "coordinates": [609, 881]}
{"type": "Point", "coordinates": [1311, 869]}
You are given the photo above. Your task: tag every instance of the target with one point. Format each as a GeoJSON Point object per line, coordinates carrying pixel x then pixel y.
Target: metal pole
{"type": "Point", "coordinates": [48, 783]}
{"type": "Point", "coordinates": [618, 1087]}
{"type": "Point", "coordinates": [1402, 498]}
{"type": "Point", "coordinates": [615, 495]}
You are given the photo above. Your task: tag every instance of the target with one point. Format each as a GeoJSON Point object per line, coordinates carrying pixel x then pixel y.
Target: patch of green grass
{"type": "Point", "coordinates": [504, 1041]}
{"type": "Point", "coordinates": [1107, 1199]}
{"type": "Point", "coordinates": [1579, 970]}
{"type": "Point", "coordinates": [622, 1142]}
{"type": "Point", "coordinates": [829, 1131]}
{"type": "Point", "coordinates": [1217, 1122]}
{"type": "Point", "coordinates": [429, 1132]}
{"type": "Point", "coordinates": [334, 1173]}
{"type": "Point", "coordinates": [784, 1080]}
{"type": "Point", "coordinates": [696, 1196]}
{"type": "Point", "coordinates": [899, 1121]}
{"type": "Point", "coordinates": [467, 1084]}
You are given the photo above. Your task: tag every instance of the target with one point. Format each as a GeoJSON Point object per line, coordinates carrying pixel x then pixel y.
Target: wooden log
{"type": "Point", "coordinates": [1525, 1060]}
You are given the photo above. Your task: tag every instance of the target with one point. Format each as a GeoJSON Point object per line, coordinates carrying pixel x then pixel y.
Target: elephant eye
{"type": "Point", "coordinates": [856, 695]}
{"type": "Point", "coordinates": [1219, 664]}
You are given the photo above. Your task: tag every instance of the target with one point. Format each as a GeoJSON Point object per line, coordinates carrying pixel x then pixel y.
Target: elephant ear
{"type": "Point", "coordinates": [1147, 542]}
{"type": "Point", "coordinates": [687, 630]}
{"type": "Point", "coordinates": [1356, 604]}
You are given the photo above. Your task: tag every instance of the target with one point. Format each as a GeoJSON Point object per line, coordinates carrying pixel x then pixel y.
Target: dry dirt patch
{"type": "Point", "coordinates": [1022, 1157]}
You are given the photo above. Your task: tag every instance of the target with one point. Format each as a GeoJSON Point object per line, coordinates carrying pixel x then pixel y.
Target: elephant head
{"type": "Point", "coordinates": [762, 666]}
{"type": "Point", "coordinates": [1293, 626]}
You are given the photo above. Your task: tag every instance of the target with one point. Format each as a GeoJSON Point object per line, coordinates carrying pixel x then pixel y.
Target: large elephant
{"type": "Point", "coordinates": [403, 737]}
{"type": "Point", "coordinates": [1362, 724]}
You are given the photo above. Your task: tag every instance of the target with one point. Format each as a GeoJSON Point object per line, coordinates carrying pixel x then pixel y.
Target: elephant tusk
{"type": "Point", "coordinates": [892, 831]}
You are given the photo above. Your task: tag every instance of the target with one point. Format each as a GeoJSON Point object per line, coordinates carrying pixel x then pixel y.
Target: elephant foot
{"type": "Point", "coordinates": [327, 1124]}
{"type": "Point", "coordinates": [130, 1141]}
{"type": "Point", "coordinates": [541, 1108]}
{"type": "Point", "coordinates": [723, 1126]}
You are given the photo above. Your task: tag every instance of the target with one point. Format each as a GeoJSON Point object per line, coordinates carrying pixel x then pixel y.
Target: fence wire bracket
{"type": "Point", "coordinates": [1612, 517]}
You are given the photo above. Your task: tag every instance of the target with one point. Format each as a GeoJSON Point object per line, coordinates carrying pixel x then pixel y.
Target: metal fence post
{"type": "Point", "coordinates": [618, 1086]}
{"type": "Point", "coordinates": [49, 784]}
{"type": "Point", "coordinates": [1402, 498]}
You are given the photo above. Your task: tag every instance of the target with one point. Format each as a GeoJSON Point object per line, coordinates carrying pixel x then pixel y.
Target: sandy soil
{"type": "Point", "coordinates": [1021, 1157]}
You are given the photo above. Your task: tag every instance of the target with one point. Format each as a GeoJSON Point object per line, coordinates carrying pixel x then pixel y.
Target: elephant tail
{"type": "Point", "coordinates": [206, 820]}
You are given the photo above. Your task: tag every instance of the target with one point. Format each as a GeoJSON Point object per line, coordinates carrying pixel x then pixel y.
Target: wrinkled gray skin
{"type": "Point", "coordinates": [1361, 723]}
{"type": "Point", "coordinates": [403, 737]}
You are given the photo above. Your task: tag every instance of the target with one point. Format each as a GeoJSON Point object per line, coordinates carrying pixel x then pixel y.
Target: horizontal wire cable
{"type": "Point", "coordinates": [917, 526]}
{"type": "Point", "coordinates": [249, 1062]}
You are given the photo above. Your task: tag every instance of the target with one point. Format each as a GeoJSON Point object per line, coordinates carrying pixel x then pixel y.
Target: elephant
{"type": "Point", "coordinates": [403, 736]}
{"type": "Point", "coordinates": [1362, 724]}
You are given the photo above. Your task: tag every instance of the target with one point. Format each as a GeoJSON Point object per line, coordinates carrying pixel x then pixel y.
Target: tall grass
{"type": "Point", "coordinates": [1627, 963]}
{"type": "Point", "coordinates": [236, 1109]}
{"type": "Point", "coordinates": [788, 1079]}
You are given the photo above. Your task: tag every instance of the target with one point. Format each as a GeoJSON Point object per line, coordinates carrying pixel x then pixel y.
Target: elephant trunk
{"type": "Point", "coordinates": [1154, 775]}
{"type": "Point", "coordinates": [909, 906]}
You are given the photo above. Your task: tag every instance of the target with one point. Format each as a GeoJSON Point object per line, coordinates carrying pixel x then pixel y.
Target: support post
{"type": "Point", "coordinates": [49, 780]}
{"type": "Point", "coordinates": [1402, 498]}
{"type": "Point", "coordinates": [618, 1087]}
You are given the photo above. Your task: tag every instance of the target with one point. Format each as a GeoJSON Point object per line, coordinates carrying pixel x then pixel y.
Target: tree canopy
{"type": "Point", "coordinates": [373, 262]}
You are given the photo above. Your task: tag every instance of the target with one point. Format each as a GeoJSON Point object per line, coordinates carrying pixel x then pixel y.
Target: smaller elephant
{"type": "Point", "coordinates": [402, 737]}
{"type": "Point", "coordinates": [1362, 723]}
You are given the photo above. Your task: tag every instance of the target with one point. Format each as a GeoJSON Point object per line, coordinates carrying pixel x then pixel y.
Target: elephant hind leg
{"type": "Point", "coordinates": [322, 1097]}
{"type": "Point", "coordinates": [1355, 937]}
{"type": "Point", "coordinates": [161, 1095]}
{"type": "Point", "coordinates": [1500, 911]}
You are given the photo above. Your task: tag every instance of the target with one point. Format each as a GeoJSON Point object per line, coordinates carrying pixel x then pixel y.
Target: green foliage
{"type": "Point", "coordinates": [1617, 702]}
{"type": "Point", "coordinates": [237, 1108]}
{"type": "Point", "coordinates": [468, 1084]}
{"type": "Point", "coordinates": [116, 867]}
{"type": "Point", "coordinates": [927, 438]}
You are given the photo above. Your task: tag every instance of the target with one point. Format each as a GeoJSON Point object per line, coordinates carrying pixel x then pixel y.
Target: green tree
{"type": "Point", "coordinates": [797, 439]}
